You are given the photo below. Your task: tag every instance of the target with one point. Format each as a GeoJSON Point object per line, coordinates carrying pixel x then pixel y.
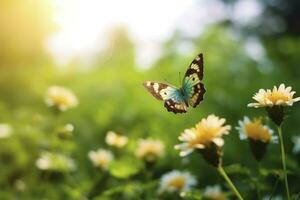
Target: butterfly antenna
{"type": "Point", "coordinates": [179, 75]}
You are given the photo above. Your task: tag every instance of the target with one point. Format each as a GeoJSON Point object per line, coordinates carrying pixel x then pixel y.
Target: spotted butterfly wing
{"type": "Point", "coordinates": [174, 101]}
{"type": "Point", "coordinates": [193, 88]}
{"type": "Point", "coordinates": [178, 99]}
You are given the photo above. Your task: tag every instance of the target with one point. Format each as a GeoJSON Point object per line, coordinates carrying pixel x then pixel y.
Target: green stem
{"type": "Point", "coordinates": [257, 181]}
{"type": "Point", "coordinates": [283, 162]}
{"type": "Point", "coordinates": [233, 188]}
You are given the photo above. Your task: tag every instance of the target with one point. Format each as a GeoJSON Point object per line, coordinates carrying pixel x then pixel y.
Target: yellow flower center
{"type": "Point", "coordinates": [150, 150]}
{"type": "Point", "coordinates": [120, 141]}
{"type": "Point", "coordinates": [256, 131]}
{"type": "Point", "coordinates": [150, 154]}
{"type": "Point", "coordinates": [205, 135]}
{"type": "Point", "coordinates": [102, 162]}
{"type": "Point", "coordinates": [276, 96]}
{"type": "Point", "coordinates": [177, 182]}
{"type": "Point", "coordinates": [61, 100]}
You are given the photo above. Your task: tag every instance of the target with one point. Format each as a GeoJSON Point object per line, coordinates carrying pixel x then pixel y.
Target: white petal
{"type": "Point", "coordinates": [296, 99]}
{"type": "Point", "coordinates": [218, 141]}
{"type": "Point", "coordinates": [199, 146]}
{"type": "Point", "coordinates": [185, 152]}
{"type": "Point", "coordinates": [281, 87]}
{"type": "Point", "coordinates": [255, 105]}
{"type": "Point", "coordinates": [181, 146]}
{"type": "Point", "coordinates": [288, 89]}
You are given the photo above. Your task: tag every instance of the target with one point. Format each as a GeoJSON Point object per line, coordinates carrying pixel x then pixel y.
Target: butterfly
{"type": "Point", "coordinates": [191, 93]}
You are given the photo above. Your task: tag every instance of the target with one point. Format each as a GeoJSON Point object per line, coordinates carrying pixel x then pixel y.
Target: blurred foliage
{"type": "Point", "coordinates": [24, 26]}
{"type": "Point", "coordinates": [111, 97]}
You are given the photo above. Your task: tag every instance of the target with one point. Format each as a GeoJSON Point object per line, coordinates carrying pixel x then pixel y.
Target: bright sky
{"type": "Point", "coordinates": [85, 24]}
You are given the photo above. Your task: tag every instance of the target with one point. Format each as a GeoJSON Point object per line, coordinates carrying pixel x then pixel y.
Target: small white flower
{"type": "Point", "coordinates": [117, 140]}
{"type": "Point", "coordinates": [5, 130]}
{"type": "Point", "coordinates": [255, 130]}
{"type": "Point", "coordinates": [68, 127]}
{"type": "Point", "coordinates": [296, 140]}
{"type": "Point", "coordinates": [44, 162]}
{"type": "Point", "coordinates": [177, 181]}
{"type": "Point", "coordinates": [149, 149]}
{"type": "Point", "coordinates": [55, 162]}
{"type": "Point", "coordinates": [214, 193]}
{"type": "Point", "coordinates": [101, 158]}
{"type": "Point", "coordinates": [283, 96]}
{"type": "Point", "coordinates": [60, 97]}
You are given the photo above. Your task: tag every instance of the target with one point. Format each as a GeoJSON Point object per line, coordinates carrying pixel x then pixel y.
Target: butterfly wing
{"type": "Point", "coordinates": [196, 67]}
{"type": "Point", "coordinates": [174, 101]}
{"type": "Point", "coordinates": [193, 88]}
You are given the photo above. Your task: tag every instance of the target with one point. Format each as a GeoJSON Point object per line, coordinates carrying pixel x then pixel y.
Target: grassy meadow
{"type": "Point", "coordinates": [77, 132]}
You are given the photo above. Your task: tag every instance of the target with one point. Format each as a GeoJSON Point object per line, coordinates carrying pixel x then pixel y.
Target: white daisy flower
{"type": "Point", "coordinates": [255, 130]}
{"type": "Point", "coordinates": [61, 98]}
{"type": "Point", "coordinates": [208, 130]}
{"type": "Point", "coordinates": [149, 149]}
{"type": "Point", "coordinates": [214, 193]}
{"type": "Point", "coordinates": [114, 139]}
{"type": "Point", "coordinates": [101, 158]}
{"type": "Point", "coordinates": [281, 96]}
{"type": "Point", "coordinates": [55, 162]}
{"type": "Point", "coordinates": [177, 181]}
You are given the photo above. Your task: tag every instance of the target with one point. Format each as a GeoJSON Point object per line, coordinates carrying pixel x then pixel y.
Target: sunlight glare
{"type": "Point", "coordinates": [84, 25]}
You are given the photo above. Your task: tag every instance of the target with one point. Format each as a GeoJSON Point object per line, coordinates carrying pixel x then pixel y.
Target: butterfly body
{"type": "Point", "coordinates": [178, 99]}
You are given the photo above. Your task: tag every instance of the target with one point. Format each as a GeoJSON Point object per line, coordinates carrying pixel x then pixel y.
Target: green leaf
{"type": "Point", "coordinates": [125, 167]}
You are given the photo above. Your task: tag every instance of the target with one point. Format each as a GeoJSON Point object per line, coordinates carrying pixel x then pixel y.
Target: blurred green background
{"type": "Point", "coordinates": [240, 58]}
